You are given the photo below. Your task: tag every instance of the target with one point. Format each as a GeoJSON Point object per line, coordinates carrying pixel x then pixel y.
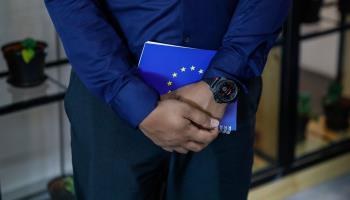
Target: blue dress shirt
{"type": "Point", "coordinates": [103, 41]}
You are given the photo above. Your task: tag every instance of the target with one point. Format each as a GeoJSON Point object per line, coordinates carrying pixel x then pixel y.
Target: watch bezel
{"type": "Point", "coordinates": [219, 87]}
{"type": "Point", "coordinates": [217, 83]}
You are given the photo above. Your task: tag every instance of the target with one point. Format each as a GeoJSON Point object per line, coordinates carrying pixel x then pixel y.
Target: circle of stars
{"type": "Point", "coordinates": [182, 70]}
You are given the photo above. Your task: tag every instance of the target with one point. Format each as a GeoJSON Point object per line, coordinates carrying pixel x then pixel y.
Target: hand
{"type": "Point", "coordinates": [200, 95]}
{"type": "Point", "coordinates": [172, 125]}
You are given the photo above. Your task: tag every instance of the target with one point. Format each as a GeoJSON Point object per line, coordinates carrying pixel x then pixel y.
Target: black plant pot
{"type": "Point", "coordinates": [23, 74]}
{"type": "Point", "coordinates": [302, 124]}
{"type": "Point", "coordinates": [57, 190]}
{"type": "Point", "coordinates": [337, 115]}
{"type": "Point", "coordinates": [344, 6]}
{"type": "Point", "coordinates": [309, 10]}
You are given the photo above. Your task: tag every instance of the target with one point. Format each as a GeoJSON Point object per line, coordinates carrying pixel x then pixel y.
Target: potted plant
{"type": "Point", "coordinates": [336, 108]}
{"type": "Point", "coordinates": [304, 115]}
{"type": "Point", "coordinates": [62, 188]}
{"type": "Point", "coordinates": [26, 61]}
{"type": "Point", "coordinates": [344, 6]}
{"type": "Point", "coordinates": [309, 10]}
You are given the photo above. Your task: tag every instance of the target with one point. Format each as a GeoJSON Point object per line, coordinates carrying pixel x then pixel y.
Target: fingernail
{"type": "Point", "coordinates": [214, 123]}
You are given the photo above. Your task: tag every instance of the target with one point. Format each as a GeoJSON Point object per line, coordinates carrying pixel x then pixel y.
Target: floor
{"type": "Point", "coordinates": [337, 189]}
{"type": "Point", "coordinates": [328, 180]}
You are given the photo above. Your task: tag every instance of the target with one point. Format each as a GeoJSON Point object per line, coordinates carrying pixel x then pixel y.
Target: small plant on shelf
{"type": "Point", "coordinates": [62, 188]}
{"type": "Point", "coordinates": [28, 50]}
{"type": "Point", "coordinates": [25, 60]}
{"type": "Point", "coordinates": [333, 94]}
{"type": "Point", "coordinates": [304, 114]}
{"type": "Point", "coordinates": [336, 108]}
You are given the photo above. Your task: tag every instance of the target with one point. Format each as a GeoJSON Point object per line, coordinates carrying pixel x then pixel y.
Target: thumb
{"type": "Point", "coordinates": [201, 118]}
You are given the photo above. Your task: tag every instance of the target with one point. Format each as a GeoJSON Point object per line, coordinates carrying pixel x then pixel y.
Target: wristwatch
{"type": "Point", "coordinates": [224, 90]}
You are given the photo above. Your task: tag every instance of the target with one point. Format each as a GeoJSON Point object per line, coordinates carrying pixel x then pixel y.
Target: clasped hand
{"type": "Point", "coordinates": [185, 120]}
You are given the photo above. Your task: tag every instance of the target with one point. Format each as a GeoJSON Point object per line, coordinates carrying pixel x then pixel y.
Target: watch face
{"type": "Point", "coordinates": [226, 91]}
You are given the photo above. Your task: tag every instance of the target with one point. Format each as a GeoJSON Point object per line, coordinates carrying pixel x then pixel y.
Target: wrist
{"type": "Point", "coordinates": [214, 108]}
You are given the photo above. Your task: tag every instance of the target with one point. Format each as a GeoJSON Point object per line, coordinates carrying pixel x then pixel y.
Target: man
{"type": "Point", "coordinates": [126, 140]}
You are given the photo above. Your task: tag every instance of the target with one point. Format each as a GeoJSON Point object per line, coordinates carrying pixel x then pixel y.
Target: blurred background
{"type": "Point", "coordinates": [302, 148]}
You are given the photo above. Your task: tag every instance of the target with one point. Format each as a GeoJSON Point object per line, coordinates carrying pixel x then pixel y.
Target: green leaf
{"type": "Point", "coordinates": [69, 184]}
{"type": "Point", "coordinates": [27, 55]}
{"type": "Point", "coordinates": [334, 93]}
{"type": "Point", "coordinates": [304, 104]}
{"type": "Point", "coordinates": [29, 43]}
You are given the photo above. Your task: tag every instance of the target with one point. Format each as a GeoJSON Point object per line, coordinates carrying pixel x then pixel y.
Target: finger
{"type": "Point", "coordinates": [167, 96]}
{"type": "Point", "coordinates": [200, 118]}
{"type": "Point", "coordinates": [195, 147]}
{"type": "Point", "coordinates": [215, 131]}
{"type": "Point", "coordinates": [201, 135]}
{"type": "Point", "coordinates": [167, 149]}
{"type": "Point", "coordinates": [181, 150]}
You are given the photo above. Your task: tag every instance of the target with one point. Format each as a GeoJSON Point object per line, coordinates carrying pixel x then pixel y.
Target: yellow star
{"type": "Point", "coordinates": [183, 69]}
{"type": "Point", "coordinates": [170, 83]}
{"type": "Point", "coordinates": [201, 71]}
{"type": "Point", "coordinates": [193, 68]}
{"type": "Point", "coordinates": [174, 75]}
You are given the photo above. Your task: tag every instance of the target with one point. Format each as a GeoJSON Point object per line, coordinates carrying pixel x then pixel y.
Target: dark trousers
{"type": "Point", "coordinates": [113, 161]}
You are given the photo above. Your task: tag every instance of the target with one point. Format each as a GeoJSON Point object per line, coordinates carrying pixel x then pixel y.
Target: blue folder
{"type": "Point", "coordinates": [167, 68]}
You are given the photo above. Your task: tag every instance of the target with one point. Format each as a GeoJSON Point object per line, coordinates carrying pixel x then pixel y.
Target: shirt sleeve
{"type": "Point", "coordinates": [250, 36]}
{"type": "Point", "coordinates": [100, 59]}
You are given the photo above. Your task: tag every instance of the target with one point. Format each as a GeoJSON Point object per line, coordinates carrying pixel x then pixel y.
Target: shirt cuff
{"type": "Point", "coordinates": [135, 101]}
{"type": "Point", "coordinates": [229, 64]}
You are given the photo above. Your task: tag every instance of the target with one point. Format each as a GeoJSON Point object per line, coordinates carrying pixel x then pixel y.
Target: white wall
{"type": "Point", "coordinates": [320, 55]}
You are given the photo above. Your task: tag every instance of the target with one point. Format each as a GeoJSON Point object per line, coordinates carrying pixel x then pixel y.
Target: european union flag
{"type": "Point", "coordinates": [168, 67]}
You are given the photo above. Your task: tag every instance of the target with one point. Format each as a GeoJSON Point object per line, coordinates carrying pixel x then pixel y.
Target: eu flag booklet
{"type": "Point", "coordinates": [167, 67]}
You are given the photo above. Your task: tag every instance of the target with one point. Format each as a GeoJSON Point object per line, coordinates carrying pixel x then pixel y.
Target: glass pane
{"type": "Point", "coordinates": [323, 117]}
{"type": "Point", "coordinates": [267, 115]}
{"type": "Point", "coordinates": [12, 95]}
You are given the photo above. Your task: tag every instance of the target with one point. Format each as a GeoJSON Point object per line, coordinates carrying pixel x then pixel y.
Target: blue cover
{"type": "Point", "coordinates": [168, 67]}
